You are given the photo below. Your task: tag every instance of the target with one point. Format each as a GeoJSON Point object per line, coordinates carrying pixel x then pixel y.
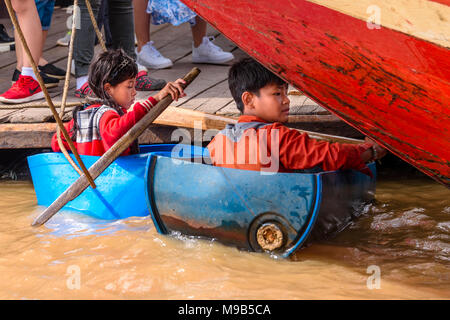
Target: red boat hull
{"type": "Point", "coordinates": [391, 86]}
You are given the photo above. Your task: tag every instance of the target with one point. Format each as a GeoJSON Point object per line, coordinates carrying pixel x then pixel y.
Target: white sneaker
{"type": "Point", "coordinates": [208, 52]}
{"type": "Point", "coordinates": [151, 58]}
{"type": "Point", "coordinates": [64, 41]}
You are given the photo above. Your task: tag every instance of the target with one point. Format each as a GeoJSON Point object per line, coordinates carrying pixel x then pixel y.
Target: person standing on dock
{"type": "Point", "coordinates": [121, 25]}
{"type": "Point", "coordinates": [175, 13]}
{"type": "Point", "coordinates": [26, 88]}
{"type": "Point", "coordinates": [49, 72]}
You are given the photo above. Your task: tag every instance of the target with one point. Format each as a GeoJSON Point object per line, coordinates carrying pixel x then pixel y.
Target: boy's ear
{"type": "Point", "coordinates": [247, 99]}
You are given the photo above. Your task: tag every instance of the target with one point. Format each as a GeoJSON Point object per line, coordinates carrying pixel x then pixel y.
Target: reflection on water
{"type": "Point", "coordinates": [406, 234]}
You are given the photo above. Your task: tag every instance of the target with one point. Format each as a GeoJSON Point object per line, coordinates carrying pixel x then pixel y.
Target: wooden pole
{"type": "Point", "coordinates": [30, 105]}
{"type": "Point", "coordinates": [44, 90]}
{"type": "Point", "coordinates": [110, 155]}
{"type": "Point", "coordinates": [179, 117]}
{"type": "Point", "coordinates": [66, 88]}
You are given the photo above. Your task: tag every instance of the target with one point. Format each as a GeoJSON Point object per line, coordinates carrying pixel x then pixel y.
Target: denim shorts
{"type": "Point", "coordinates": [45, 11]}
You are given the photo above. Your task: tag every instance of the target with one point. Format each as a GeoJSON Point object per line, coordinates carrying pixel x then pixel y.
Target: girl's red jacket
{"type": "Point", "coordinates": [101, 126]}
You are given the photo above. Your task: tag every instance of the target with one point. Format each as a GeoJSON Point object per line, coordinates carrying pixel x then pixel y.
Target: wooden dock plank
{"type": "Point", "coordinates": [229, 110]}
{"type": "Point", "coordinates": [213, 99]}
{"type": "Point", "coordinates": [5, 115]}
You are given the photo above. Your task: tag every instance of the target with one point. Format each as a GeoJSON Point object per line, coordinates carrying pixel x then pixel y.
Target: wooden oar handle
{"type": "Point", "coordinates": [190, 76]}
{"type": "Point", "coordinates": [110, 155]}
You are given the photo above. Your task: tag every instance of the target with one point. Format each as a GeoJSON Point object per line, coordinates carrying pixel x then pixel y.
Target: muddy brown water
{"type": "Point", "coordinates": [398, 249]}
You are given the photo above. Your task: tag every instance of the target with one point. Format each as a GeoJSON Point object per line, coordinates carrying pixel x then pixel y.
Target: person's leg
{"type": "Point", "coordinates": [198, 31]}
{"type": "Point", "coordinates": [147, 54]}
{"type": "Point", "coordinates": [19, 51]}
{"type": "Point", "coordinates": [203, 50]}
{"type": "Point", "coordinates": [106, 28]}
{"type": "Point", "coordinates": [49, 80]}
{"type": "Point", "coordinates": [141, 23]}
{"type": "Point", "coordinates": [29, 22]}
{"type": "Point", "coordinates": [83, 49]}
{"type": "Point", "coordinates": [64, 41]}
{"type": "Point", "coordinates": [121, 24]}
{"type": "Point", "coordinates": [45, 10]}
{"type": "Point", "coordinates": [122, 30]}
{"type": "Point", "coordinates": [50, 73]}
{"type": "Point", "coordinates": [42, 60]}
{"type": "Point", "coordinates": [26, 88]}
{"type": "Point", "coordinates": [103, 21]}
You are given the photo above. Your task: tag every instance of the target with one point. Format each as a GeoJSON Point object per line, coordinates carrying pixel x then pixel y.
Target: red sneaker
{"type": "Point", "coordinates": [145, 83]}
{"type": "Point", "coordinates": [23, 90]}
{"type": "Point", "coordinates": [85, 92]}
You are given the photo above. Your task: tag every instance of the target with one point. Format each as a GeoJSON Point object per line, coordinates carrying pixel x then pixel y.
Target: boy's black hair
{"type": "Point", "coordinates": [249, 75]}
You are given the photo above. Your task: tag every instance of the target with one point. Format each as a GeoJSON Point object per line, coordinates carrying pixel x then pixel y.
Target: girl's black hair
{"type": "Point", "coordinates": [249, 75]}
{"type": "Point", "coordinates": [113, 67]}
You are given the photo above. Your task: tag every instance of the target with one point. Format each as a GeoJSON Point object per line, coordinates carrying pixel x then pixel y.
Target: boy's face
{"type": "Point", "coordinates": [271, 105]}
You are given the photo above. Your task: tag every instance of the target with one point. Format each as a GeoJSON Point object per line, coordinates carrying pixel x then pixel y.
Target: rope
{"type": "Point", "coordinates": [66, 89]}
{"type": "Point", "coordinates": [38, 105]}
{"type": "Point", "coordinates": [47, 96]}
{"type": "Point", "coordinates": [67, 79]}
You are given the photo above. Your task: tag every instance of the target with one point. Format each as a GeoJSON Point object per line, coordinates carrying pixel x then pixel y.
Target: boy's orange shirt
{"type": "Point", "coordinates": [254, 144]}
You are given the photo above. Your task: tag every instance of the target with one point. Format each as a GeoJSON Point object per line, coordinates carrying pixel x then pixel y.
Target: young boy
{"type": "Point", "coordinates": [259, 141]}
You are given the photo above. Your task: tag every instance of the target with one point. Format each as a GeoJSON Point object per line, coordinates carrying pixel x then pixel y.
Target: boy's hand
{"type": "Point", "coordinates": [173, 88]}
{"type": "Point", "coordinates": [375, 152]}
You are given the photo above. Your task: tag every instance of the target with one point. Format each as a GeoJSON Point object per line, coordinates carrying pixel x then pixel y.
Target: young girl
{"type": "Point", "coordinates": [95, 128]}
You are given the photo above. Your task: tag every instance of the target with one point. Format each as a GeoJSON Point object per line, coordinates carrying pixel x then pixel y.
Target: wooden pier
{"type": "Point", "coordinates": [207, 97]}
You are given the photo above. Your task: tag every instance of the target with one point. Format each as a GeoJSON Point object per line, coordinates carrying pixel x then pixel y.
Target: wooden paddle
{"type": "Point", "coordinates": [179, 117]}
{"type": "Point", "coordinates": [115, 151]}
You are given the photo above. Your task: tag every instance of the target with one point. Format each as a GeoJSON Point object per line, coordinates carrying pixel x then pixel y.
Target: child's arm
{"type": "Point", "coordinates": [375, 152]}
{"type": "Point", "coordinates": [173, 88]}
{"type": "Point", "coordinates": [298, 151]}
{"type": "Point", "coordinates": [113, 126]}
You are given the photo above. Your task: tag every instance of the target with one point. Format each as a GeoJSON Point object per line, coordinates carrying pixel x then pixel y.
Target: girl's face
{"type": "Point", "coordinates": [123, 93]}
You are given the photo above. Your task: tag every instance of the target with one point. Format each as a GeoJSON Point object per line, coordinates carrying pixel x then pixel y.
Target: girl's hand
{"type": "Point", "coordinates": [173, 88]}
